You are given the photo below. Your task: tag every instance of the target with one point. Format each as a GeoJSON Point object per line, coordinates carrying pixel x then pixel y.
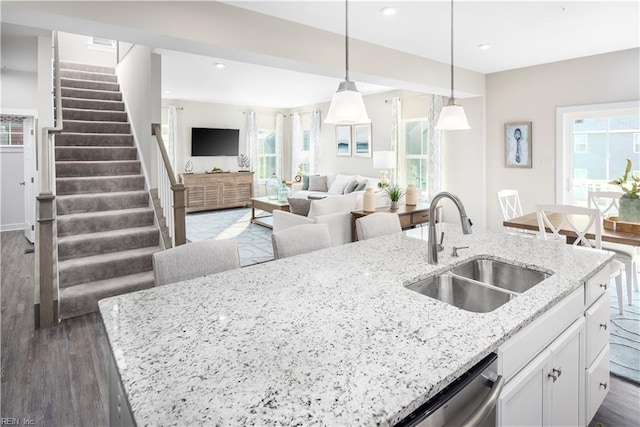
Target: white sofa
{"type": "Point", "coordinates": [333, 211]}
{"type": "Point", "coordinates": [382, 198]}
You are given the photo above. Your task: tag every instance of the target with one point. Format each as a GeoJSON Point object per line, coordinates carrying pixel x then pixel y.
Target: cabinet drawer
{"type": "Point", "coordinates": [597, 318]}
{"type": "Point", "coordinates": [514, 354]}
{"type": "Point", "coordinates": [597, 380]}
{"type": "Point", "coordinates": [420, 218]}
{"type": "Point", "coordinates": [597, 285]}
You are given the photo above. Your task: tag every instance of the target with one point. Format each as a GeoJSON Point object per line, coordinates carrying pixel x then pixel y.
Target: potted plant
{"type": "Point", "coordinates": [630, 201]}
{"type": "Point", "coordinates": [395, 193]}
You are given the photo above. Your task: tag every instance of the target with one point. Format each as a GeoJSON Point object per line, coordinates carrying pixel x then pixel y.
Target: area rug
{"type": "Point", "coordinates": [625, 337]}
{"type": "Point", "coordinates": [254, 241]}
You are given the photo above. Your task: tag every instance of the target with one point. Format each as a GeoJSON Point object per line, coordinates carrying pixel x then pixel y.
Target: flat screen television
{"type": "Point", "coordinates": [214, 142]}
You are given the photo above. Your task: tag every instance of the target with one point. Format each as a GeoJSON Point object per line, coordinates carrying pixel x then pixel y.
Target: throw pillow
{"type": "Point", "coordinates": [299, 206]}
{"type": "Point", "coordinates": [305, 182]}
{"type": "Point", "coordinates": [361, 186]}
{"type": "Point", "coordinates": [350, 187]}
{"type": "Point", "coordinates": [339, 184]}
{"type": "Point", "coordinates": [331, 205]}
{"type": "Point", "coordinates": [318, 183]}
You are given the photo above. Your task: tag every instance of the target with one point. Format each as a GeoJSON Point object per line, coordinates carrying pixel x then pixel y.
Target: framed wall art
{"type": "Point", "coordinates": [518, 142]}
{"type": "Point", "coordinates": [362, 140]}
{"type": "Point", "coordinates": [343, 140]}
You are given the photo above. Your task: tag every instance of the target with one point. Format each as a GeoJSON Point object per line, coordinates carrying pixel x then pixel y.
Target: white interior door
{"type": "Point", "coordinates": [29, 179]}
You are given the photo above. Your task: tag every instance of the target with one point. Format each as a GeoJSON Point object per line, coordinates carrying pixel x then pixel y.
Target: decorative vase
{"type": "Point", "coordinates": [629, 209]}
{"type": "Point", "coordinates": [394, 204]}
{"type": "Point", "coordinates": [271, 187]}
{"type": "Point", "coordinates": [283, 193]}
{"type": "Point", "coordinates": [369, 200]}
{"type": "Point", "coordinates": [188, 167]}
{"type": "Point", "coordinates": [411, 195]}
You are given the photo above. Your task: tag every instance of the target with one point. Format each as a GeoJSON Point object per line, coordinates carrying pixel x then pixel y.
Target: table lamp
{"type": "Point", "coordinates": [384, 160]}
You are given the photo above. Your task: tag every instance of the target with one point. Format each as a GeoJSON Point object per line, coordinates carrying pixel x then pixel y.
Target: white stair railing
{"type": "Point", "coordinates": [170, 193]}
{"type": "Point", "coordinates": [46, 248]}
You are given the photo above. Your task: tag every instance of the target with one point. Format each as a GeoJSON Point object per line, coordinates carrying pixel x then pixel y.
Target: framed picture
{"type": "Point", "coordinates": [517, 139]}
{"type": "Point", "coordinates": [343, 140]}
{"type": "Point", "coordinates": [362, 140]}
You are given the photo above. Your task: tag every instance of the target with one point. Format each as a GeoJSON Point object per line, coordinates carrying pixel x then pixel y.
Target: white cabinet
{"type": "Point", "coordinates": [597, 317]}
{"type": "Point", "coordinates": [548, 391]}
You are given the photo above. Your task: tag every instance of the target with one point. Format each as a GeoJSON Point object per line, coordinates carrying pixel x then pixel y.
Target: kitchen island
{"type": "Point", "coordinates": [329, 338]}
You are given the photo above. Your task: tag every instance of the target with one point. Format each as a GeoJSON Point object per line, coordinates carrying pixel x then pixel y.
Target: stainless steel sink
{"type": "Point", "coordinates": [479, 285]}
{"type": "Point", "coordinates": [500, 274]}
{"type": "Point", "coordinates": [462, 293]}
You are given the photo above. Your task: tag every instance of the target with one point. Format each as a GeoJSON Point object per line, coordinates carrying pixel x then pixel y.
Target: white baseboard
{"type": "Point", "coordinates": [11, 227]}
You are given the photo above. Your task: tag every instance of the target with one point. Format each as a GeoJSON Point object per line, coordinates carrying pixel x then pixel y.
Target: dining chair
{"type": "Point", "coordinates": [510, 205]}
{"type": "Point", "coordinates": [196, 259]}
{"type": "Point", "coordinates": [581, 221]}
{"type": "Point", "coordinates": [300, 239]}
{"type": "Point", "coordinates": [377, 224]}
{"type": "Point", "coordinates": [608, 202]}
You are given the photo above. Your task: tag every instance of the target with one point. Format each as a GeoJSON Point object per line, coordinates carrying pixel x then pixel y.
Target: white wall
{"type": "Point", "coordinates": [200, 114]}
{"type": "Point", "coordinates": [76, 48]}
{"type": "Point", "coordinates": [138, 79]}
{"type": "Point", "coordinates": [533, 94]}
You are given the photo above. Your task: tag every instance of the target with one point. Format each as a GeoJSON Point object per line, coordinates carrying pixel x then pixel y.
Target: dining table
{"type": "Point", "coordinates": [529, 221]}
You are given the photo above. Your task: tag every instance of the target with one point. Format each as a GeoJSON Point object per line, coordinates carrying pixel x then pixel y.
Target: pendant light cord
{"type": "Point", "coordinates": [452, 50]}
{"type": "Point", "coordinates": [346, 38]}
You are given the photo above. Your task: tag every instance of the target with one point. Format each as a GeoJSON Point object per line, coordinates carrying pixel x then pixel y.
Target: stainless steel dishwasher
{"type": "Point", "coordinates": [468, 401]}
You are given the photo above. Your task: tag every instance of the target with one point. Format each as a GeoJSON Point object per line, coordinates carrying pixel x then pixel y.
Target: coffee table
{"type": "Point", "coordinates": [267, 206]}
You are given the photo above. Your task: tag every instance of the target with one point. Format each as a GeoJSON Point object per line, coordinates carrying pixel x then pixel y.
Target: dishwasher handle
{"type": "Point", "coordinates": [487, 404]}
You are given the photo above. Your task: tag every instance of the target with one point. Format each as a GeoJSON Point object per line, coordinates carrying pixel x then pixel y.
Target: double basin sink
{"type": "Point", "coordinates": [479, 285]}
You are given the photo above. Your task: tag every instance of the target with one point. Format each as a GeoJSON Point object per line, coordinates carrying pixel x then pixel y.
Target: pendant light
{"type": "Point", "coordinates": [347, 106]}
{"type": "Point", "coordinates": [452, 116]}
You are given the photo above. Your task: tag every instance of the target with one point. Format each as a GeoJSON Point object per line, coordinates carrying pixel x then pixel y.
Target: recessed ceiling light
{"type": "Point", "coordinates": [167, 91]}
{"type": "Point", "coordinates": [220, 65]}
{"type": "Point", "coordinates": [388, 11]}
{"type": "Point", "coordinates": [484, 46]}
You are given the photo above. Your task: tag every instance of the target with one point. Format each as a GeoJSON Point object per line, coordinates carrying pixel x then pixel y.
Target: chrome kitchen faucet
{"type": "Point", "coordinates": [464, 221]}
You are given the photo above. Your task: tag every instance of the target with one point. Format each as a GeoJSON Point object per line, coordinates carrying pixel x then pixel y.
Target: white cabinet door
{"type": "Point", "coordinates": [523, 400]}
{"type": "Point", "coordinates": [566, 388]}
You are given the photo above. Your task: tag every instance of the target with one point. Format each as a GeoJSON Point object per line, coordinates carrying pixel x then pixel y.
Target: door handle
{"type": "Point", "coordinates": [487, 405]}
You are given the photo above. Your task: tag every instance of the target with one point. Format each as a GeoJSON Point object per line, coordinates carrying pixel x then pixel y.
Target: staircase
{"type": "Point", "coordinates": [106, 230]}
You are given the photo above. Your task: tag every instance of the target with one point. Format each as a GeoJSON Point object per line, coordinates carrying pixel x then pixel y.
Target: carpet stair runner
{"type": "Point", "coordinates": [106, 229]}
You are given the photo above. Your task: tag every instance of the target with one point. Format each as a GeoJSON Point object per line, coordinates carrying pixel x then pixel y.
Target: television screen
{"type": "Point", "coordinates": [214, 142]}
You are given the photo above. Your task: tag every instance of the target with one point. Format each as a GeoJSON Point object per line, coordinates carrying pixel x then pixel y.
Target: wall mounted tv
{"type": "Point", "coordinates": [214, 142]}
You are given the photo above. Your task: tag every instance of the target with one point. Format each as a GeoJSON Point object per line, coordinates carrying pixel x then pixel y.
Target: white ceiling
{"type": "Point", "coordinates": [521, 34]}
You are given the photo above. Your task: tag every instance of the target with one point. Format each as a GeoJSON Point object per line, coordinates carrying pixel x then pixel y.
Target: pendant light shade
{"type": "Point", "coordinates": [347, 106]}
{"type": "Point", "coordinates": [452, 116]}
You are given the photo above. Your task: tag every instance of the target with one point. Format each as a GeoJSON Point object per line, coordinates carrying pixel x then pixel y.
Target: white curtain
{"type": "Point", "coordinates": [252, 145]}
{"type": "Point", "coordinates": [172, 140]}
{"type": "Point", "coordinates": [314, 156]}
{"type": "Point", "coordinates": [396, 128]}
{"type": "Point", "coordinates": [434, 146]}
{"type": "Point", "coordinates": [296, 143]}
{"type": "Point", "coordinates": [280, 145]}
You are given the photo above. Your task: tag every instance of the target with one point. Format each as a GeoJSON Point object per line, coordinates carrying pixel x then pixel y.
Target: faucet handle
{"type": "Point", "coordinates": [440, 247]}
{"type": "Point", "coordinates": [454, 253]}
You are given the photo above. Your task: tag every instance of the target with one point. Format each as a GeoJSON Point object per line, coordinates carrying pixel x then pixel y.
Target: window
{"type": "Point", "coordinates": [11, 130]}
{"type": "Point", "coordinates": [306, 151]}
{"type": "Point", "coordinates": [267, 157]}
{"type": "Point", "coordinates": [580, 143]}
{"type": "Point", "coordinates": [596, 141]}
{"type": "Point", "coordinates": [413, 154]}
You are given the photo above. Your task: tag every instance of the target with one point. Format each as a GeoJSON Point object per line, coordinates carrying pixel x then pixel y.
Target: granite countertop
{"type": "Point", "coordinates": [328, 338]}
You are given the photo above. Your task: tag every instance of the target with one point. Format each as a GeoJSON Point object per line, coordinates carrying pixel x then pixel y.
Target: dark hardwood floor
{"type": "Point", "coordinates": [58, 377]}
